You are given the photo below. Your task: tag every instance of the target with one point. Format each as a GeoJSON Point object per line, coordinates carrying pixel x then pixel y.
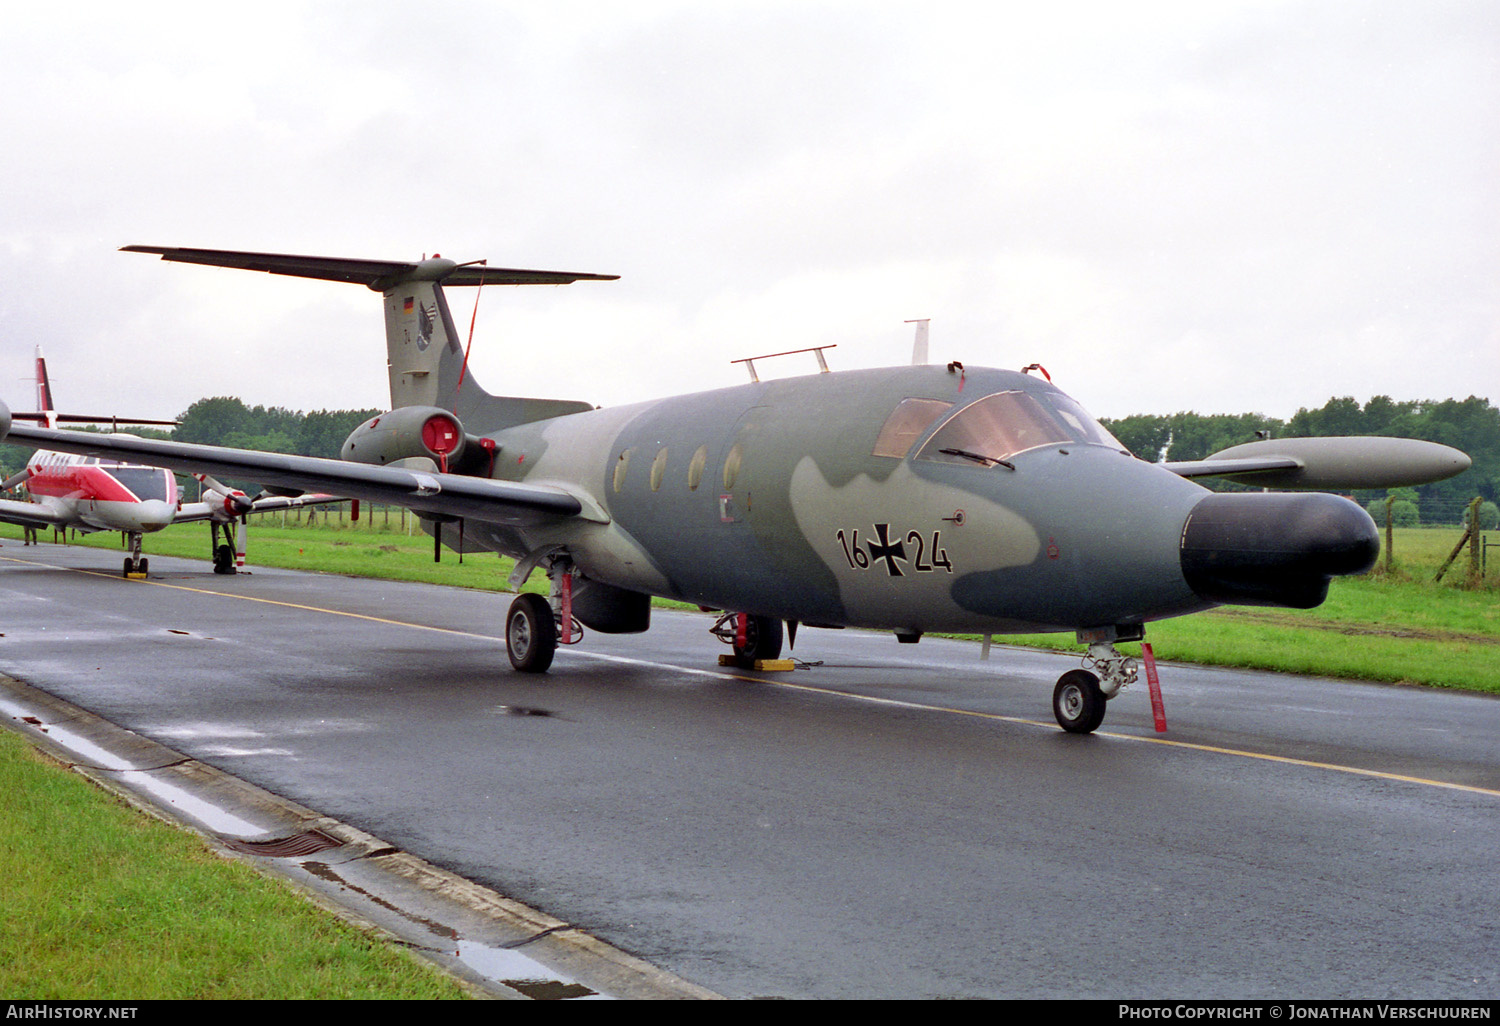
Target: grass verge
{"type": "Point", "coordinates": [101, 901]}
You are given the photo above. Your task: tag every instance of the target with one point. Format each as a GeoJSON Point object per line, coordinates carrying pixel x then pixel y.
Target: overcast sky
{"type": "Point", "coordinates": [1224, 207]}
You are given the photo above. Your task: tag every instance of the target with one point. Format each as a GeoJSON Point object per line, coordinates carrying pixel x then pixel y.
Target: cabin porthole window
{"type": "Point", "coordinates": [732, 465]}
{"type": "Point", "coordinates": [621, 465]}
{"type": "Point", "coordinates": [695, 468]}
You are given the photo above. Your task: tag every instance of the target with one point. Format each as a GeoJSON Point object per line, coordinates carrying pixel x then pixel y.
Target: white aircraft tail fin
{"type": "Point", "coordinates": [424, 350]}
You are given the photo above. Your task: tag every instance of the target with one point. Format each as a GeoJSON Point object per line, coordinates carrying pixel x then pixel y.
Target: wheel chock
{"type": "Point", "coordinates": [135, 577]}
{"type": "Point", "coordinates": [764, 665]}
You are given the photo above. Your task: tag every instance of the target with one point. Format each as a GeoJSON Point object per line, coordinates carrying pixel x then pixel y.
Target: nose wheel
{"type": "Point", "coordinates": [135, 563]}
{"type": "Point", "coordinates": [1077, 702]}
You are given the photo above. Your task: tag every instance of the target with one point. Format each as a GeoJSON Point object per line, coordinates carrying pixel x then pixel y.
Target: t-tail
{"type": "Point", "coordinates": [425, 353]}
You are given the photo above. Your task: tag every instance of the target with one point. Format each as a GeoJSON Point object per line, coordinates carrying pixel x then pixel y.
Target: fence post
{"type": "Point", "coordinates": [1471, 533]}
{"type": "Point", "coordinates": [1474, 577]}
{"type": "Point", "coordinates": [1390, 533]}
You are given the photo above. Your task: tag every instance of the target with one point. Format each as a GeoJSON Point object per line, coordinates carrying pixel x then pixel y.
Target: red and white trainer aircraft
{"type": "Point", "coordinates": [87, 493]}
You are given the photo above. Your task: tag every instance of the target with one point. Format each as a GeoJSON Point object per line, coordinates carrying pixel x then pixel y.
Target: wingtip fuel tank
{"type": "Point", "coordinates": [1345, 464]}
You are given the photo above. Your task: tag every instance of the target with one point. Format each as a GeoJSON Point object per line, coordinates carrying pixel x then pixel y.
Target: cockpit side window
{"type": "Point", "coordinates": [905, 425]}
{"type": "Point", "coordinates": [1000, 425]}
{"type": "Point", "coordinates": [1084, 427]}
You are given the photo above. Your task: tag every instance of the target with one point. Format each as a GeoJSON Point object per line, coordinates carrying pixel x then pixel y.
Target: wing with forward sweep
{"type": "Point", "coordinates": [1330, 464]}
{"type": "Point", "coordinates": [502, 502]}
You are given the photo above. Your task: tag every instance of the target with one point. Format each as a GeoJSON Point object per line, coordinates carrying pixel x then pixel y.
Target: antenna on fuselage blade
{"type": "Point", "coordinates": [919, 346]}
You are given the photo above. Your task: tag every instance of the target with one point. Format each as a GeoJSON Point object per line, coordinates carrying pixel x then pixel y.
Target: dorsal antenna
{"type": "Point", "coordinates": [919, 345]}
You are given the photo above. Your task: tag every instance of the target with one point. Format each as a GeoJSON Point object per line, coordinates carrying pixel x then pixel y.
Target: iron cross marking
{"type": "Point", "coordinates": [887, 551]}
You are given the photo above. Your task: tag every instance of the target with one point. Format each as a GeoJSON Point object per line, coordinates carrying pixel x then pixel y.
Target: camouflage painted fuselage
{"type": "Point", "coordinates": [769, 498]}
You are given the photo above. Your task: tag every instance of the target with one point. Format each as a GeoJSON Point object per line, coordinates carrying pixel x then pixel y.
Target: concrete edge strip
{"type": "Point", "coordinates": [362, 880]}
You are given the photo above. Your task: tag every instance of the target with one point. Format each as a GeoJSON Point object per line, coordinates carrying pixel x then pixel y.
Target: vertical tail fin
{"type": "Point", "coordinates": [44, 403]}
{"type": "Point", "coordinates": [425, 356]}
{"type": "Point", "coordinates": [424, 353]}
{"type": "Point", "coordinates": [46, 411]}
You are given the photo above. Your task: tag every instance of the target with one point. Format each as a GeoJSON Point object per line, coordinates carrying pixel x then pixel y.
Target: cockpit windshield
{"type": "Point", "coordinates": [146, 482]}
{"type": "Point", "coordinates": [999, 426]}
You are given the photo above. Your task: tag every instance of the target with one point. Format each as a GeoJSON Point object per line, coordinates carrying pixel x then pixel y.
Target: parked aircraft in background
{"type": "Point", "coordinates": [88, 493]}
{"type": "Point", "coordinates": [910, 499]}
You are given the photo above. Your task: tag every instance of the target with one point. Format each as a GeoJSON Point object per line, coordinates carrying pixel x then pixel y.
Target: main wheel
{"type": "Point", "coordinates": [530, 634]}
{"type": "Point", "coordinates": [762, 640]}
{"type": "Point", "coordinates": [1077, 702]}
{"type": "Point", "coordinates": [223, 560]}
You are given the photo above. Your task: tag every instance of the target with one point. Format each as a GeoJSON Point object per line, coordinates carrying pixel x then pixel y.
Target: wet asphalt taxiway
{"type": "Point", "coordinates": [893, 821]}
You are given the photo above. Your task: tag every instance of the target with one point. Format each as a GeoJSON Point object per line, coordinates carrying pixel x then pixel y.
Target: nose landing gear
{"type": "Point", "coordinates": [135, 563]}
{"type": "Point", "coordinates": [1078, 700]}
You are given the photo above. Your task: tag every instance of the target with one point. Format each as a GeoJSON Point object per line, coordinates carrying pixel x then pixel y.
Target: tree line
{"type": "Point", "coordinates": [227, 421]}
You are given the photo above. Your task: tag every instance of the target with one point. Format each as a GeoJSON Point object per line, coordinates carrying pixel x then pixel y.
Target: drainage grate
{"type": "Point", "coordinates": [309, 842]}
{"type": "Point", "coordinates": [549, 990]}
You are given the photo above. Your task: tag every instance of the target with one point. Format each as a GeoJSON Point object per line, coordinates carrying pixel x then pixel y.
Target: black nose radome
{"type": "Point", "coordinates": [1274, 548]}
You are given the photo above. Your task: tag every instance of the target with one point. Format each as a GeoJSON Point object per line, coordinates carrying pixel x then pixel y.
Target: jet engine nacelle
{"type": "Point", "coordinates": [407, 432]}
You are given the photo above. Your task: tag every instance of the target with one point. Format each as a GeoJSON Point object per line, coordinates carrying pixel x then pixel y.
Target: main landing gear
{"type": "Point", "coordinates": [753, 638]}
{"type": "Point", "coordinates": [1078, 700]}
{"type": "Point", "coordinates": [535, 626]}
{"type": "Point", "coordinates": [226, 560]}
{"type": "Point", "coordinates": [530, 633]}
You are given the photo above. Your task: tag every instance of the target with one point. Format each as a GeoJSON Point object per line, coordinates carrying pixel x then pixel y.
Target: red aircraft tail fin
{"type": "Point", "coordinates": [44, 391]}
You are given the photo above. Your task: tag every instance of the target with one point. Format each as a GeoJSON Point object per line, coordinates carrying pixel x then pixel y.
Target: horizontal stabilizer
{"type": "Point", "coordinates": [378, 275]}
{"type": "Point", "coordinates": [1330, 464]}
{"type": "Point", "coordinates": [83, 418]}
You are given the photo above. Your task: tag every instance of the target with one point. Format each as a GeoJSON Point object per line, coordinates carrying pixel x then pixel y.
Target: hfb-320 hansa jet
{"type": "Point", "coordinates": [87, 493]}
{"type": "Point", "coordinates": [909, 499]}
